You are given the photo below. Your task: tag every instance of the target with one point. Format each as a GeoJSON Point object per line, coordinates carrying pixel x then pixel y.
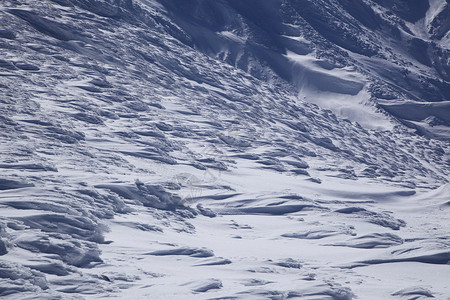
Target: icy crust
{"type": "Point", "coordinates": [211, 181]}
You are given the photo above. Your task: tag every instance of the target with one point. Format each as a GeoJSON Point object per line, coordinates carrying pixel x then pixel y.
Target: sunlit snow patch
{"type": "Point", "coordinates": [341, 90]}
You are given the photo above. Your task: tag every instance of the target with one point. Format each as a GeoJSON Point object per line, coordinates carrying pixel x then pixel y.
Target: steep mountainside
{"type": "Point", "coordinates": [224, 149]}
{"type": "Point", "coordinates": [377, 50]}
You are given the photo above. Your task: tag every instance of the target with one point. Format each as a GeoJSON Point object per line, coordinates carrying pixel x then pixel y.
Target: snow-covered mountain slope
{"type": "Point", "coordinates": [164, 150]}
{"type": "Point", "coordinates": [358, 52]}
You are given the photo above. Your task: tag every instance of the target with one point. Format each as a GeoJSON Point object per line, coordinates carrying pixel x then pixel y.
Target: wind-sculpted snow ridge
{"type": "Point", "coordinates": [148, 155]}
